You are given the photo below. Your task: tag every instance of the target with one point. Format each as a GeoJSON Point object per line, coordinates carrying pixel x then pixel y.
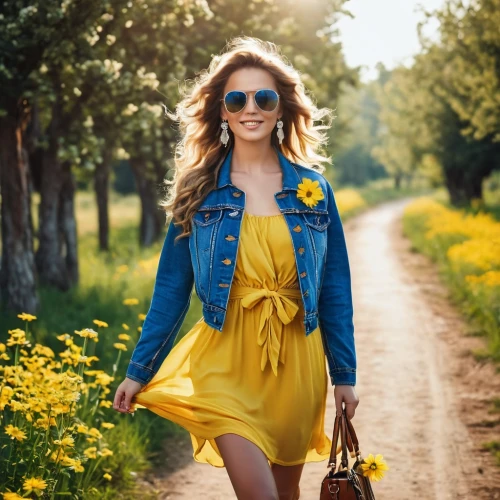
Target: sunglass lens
{"type": "Point", "coordinates": [266, 99]}
{"type": "Point", "coordinates": [235, 101]}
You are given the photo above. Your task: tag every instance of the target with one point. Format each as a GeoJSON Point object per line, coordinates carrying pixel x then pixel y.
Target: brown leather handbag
{"type": "Point", "coordinates": [349, 483]}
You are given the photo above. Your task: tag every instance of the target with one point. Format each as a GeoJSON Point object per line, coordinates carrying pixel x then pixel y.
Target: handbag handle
{"type": "Point", "coordinates": [344, 427]}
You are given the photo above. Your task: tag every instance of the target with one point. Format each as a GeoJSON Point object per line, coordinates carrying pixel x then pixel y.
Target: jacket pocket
{"type": "Point", "coordinates": [318, 222]}
{"type": "Point", "coordinates": [205, 227]}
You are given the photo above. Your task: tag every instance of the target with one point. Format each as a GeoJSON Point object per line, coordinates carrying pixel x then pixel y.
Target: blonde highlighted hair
{"type": "Point", "coordinates": [199, 153]}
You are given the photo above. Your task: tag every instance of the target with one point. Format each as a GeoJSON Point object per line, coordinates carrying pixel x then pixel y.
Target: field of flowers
{"type": "Point", "coordinates": [467, 248]}
{"type": "Point", "coordinates": [59, 435]}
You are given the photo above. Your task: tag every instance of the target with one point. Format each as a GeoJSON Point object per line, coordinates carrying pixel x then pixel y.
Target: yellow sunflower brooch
{"type": "Point", "coordinates": [374, 467]}
{"type": "Point", "coordinates": [309, 192]}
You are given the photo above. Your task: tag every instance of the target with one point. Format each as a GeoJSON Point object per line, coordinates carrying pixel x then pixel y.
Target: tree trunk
{"type": "Point", "coordinates": [56, 214]}
{"type": "Point", "coordinates": [101, 186]}
{"type": "Point", "coordinates": [67, 224]}
{"type": "Point", "coordinates": [50, 263]}
{"type": "Point", "coordinates": [151, 216]}
{"type": "Point", "coordinates": [17, 272]}
{"type": "Point", "coordinates": [397, 181]}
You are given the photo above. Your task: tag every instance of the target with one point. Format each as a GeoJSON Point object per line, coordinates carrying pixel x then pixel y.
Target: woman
{"type": "Point", "coordinates": [249, 380]}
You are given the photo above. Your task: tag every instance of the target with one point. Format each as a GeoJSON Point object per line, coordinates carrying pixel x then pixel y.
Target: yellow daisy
{"type": "Point", "coordinates": [130, 302]}
{"type": "Point", "coordinates": [88, 332]}
{"type": "Point", "coordinates": [107, 476]}
{"type": "Point", "coordinates": [98, 322]}
{"type": "Point", "coordinates": [26, 317]}
{"type": "Point", "coordinates": [9, 495]}
{"type": "Point", "coordinates": [15, 432]}
{"type": "Point", "coordinates": [373, 467]}
{"type": "Point", "coordinates": [120, 346]}
{"type": "Point", "coordinates": [309, 192]}
{"type": "Point", "coordinates": [34, 484]}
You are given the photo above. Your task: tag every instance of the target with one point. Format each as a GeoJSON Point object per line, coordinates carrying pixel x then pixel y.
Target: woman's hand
{"type": "Point", "coordinates": [124, 394]}
{"type": "Point", "coordinates": [347, 394]}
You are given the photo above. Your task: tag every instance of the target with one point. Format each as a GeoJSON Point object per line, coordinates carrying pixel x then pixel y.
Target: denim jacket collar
{"type": "Point", "coordinates": [290, 175]}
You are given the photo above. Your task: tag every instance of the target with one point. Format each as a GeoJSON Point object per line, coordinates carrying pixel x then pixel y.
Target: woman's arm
{"type": "Point", "coordinates": [335, 307]}
{"type": "Point", "coordinates": [169, 305]}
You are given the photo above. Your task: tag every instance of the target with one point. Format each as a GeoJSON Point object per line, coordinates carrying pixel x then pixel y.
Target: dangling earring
{"type": "Point", "coordinates": [281, 135]}
{"type": "Point", "coordinates": [224, 137]}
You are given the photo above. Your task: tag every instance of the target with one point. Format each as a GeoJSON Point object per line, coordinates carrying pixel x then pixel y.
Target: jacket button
{"type": "Point", "coordinates": [236, 194]}
{"type": "Point", "coordinates": [233, 214]}
{"type": "Point", "coordinates": [207, 215]}
{"type": "Point", "coordinates": [282, 195]}
{"type": "Point", "coordinates": [223, 285]}
{"type": "Point", "coordinates": [306, 293]}
{"type": "Point", "coordinates": [303, 274]}
{"type": "Point", "coordinates": [302, 250]}
{"type": "Point", "coordinates": [230, 237]}
{"type": "Point", "coordinates": [297, 228]}
{"type": "Point", "coordinates": [226, 261]}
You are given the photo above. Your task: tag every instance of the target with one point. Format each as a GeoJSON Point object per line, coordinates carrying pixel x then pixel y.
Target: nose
{"type": "Point", "coordinates": [250, 106]}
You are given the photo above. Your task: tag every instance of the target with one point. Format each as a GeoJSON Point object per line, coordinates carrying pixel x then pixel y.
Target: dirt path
{"type": "Point", "coordinates": [424, 400]}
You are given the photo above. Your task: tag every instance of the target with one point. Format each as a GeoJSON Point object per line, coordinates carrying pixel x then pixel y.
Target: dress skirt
{"type": "Point", "coordinates": [260, 377]}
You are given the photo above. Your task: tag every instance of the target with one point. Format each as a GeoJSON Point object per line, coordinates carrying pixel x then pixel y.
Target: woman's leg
{"type": "Point", "coordinates": [247, 468]}
{"type": "Point", "coordinates": [287, 478]}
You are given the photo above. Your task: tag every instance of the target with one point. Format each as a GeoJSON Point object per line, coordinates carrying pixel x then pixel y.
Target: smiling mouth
{"type": "Point", "coordinates": [255, 122]}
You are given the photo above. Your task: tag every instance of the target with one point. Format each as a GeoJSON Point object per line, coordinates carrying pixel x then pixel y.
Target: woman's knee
{"type": "Point", "coordinates": [247, 468]}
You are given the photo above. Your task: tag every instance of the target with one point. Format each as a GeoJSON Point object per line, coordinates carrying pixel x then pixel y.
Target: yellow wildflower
{"type": "Point", "coordinates": [78, 467]}
{"type": "Point", "coordinates": [12, 496]}
{"type": "Point", "coordinates": [67, 441]}
{"type": "Point", "coordinates": [26, 317]}
{"type": "Point", "coordinates": [2, 347]}
{"type": "Point", "coordinates": [68, 340]}
{"type": "Point", "coordinates": [489, 278]}
{"type": "Point", "coordinates": [124, 336]}
{"type": "Point", "coordinates": [90, 452]}
{"type": "Point", "coordinates": [95, 432]}
{"type": "Point", "coordinates": [107, 425]}
{"type": "Point", "coordinates": [348, 200]}
{"type": "Point", "coordinates": [130, 302]}
{"type": "Point", "coordinates": [106, 404]}
{"type": "Point", "coordinates": [15, 432]}
{"type": "Point", "coordinates": [100, 323]}
{"type": "Point", "coordinates": [88, 332]}
{"type": "Point", "coordinates": [125, 326]}
{"type": "Point", "coordinates": [106, 452]}
{"type": "Point", "coordinates": [107, 476]}
{"type": "Point", "coordinates": [373, 467]}
{"type": "Point", "coordinates": [34, 484]}
{"type": "Point", "coordinates": [120, 346]}
{"type": "Point", "coordinates": [309, 192]}
{"type": "Point", "coordinates": [141, 316]}
{"type": "Point", "coordinates": [17, 336]}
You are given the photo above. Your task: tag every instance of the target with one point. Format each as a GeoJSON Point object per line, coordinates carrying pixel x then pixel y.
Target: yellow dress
{"type": "Point", "coordinates": [261, 377]}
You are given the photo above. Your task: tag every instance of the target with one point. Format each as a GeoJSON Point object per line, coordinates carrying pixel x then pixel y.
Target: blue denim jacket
{"type": "Point", "coordinates": [207, 259]}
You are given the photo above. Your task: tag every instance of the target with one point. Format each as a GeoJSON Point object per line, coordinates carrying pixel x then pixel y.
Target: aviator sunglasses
{"type": "Point", "coordinates": [265, 99]}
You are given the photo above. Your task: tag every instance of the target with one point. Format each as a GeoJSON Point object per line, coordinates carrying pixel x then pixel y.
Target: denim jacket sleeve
{"type": "Point", "coordinates": [169, 305]}
{"type": "Point", "coordinates": [335, 308]}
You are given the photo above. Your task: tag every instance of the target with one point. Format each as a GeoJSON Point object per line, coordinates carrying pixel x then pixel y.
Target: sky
{"type": "Point", "coordinates": [383, 30]}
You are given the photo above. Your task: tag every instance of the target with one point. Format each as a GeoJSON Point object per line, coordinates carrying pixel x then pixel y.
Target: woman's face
{"type": "Point", "coordinates": [250, 80]}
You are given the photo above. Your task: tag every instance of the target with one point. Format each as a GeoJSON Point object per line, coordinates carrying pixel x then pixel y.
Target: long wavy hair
{"type": "Point", "coordinates": [199, 153]}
